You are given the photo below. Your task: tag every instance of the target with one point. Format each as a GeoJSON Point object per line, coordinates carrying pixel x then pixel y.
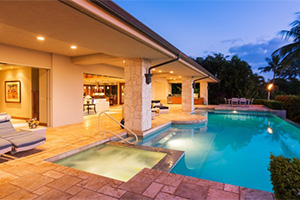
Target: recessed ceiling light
{"type": "Point", "coordinates": [11, 67]}
{"type": "Point", "coordinates": [73, 47]}
{"type": "Point", "coordinates": [179, 76]}
{"type": "Point", "coordinates": [171, 78]}
{"type": "Point", "coordinates": [153, 69]}
{"type": "Point", "coordinates": [0, 68]}
{"type": "Point", "coordinates": [171, 72]}
{"type": "Point", "coordinates": [41, 38]}
{"type": "Point", "coordinates": [124, 61]}
{"type": "Point", "coordinates": [159, 71]}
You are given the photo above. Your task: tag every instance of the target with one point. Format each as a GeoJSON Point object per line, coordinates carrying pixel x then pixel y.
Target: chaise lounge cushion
{"type": "Point", "coordinates": [4, 144]}
{"type": "Point", "coordinates": [157, 104]}
{"type": "Point", "coordinates": [23, 138]}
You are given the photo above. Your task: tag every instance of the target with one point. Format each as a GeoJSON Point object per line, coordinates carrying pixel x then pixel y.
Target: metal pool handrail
{"type": "Point", "coordinates": [136, 137]}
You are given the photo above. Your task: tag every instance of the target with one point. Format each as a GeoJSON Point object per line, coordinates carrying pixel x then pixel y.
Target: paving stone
{"type": "Point", "coordinates": [202, 182]}
{"type": "Point", "coordinates": [169, 189]}
{"type": "Point", "coordinates": [138, 183]}
{"type": "Point", "coordinates": [7, 189]}
{"type": "Point", "coordinates": [31, 181]}
{"type": "Point", "coordinates": [88, 194]}
{"type": "Point", "coordinates": [21, 194]}
{"type": "Point", "coordinates": [214, 194]}
{"type": "Point", "coordinates": [192, 191]}
{"type": "Point", "coordinates": [42, 190]}
{"type": "Point", "coordinates": [74, 190]}
{"type": "Point", "coordinates": [153, 190]}
{"type": "Point", "coordinates": [155, 172]}
{"type": "Point", "coordinates": [64, 182]}
{"type": "Point", "coordinates": [145, 170]}
{"type": "Point", "coordinates": [132, 196]}
{"type": "Point", "coordinates": [42, 168]}
{"type": "Point", "coordinates": [77, 173]}
{"type": "Point", "coordinates": [169, 179]}
{"type": "Point", "coordinates": [115, 192]}
{"type": "Point", "coordinates": [6, 176]}
{"type": "Point", "coordinates": [115, 183]}
{"type": "Point", "coordinates": [54, 194]}
{"type": "Point", "coordinates": [231, 188]}
{"type": "Point", "coordinates": [53, 174]}
{"type": "Point", "coordinates": [95, 182]}
{"type": "Point", "coordinates": [166, 196]}
{"type": "Point", "coordinates": [247, 193]}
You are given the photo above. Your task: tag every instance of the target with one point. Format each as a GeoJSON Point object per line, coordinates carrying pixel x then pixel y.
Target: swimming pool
{"type": "Point", "coordinates": [231, 148]}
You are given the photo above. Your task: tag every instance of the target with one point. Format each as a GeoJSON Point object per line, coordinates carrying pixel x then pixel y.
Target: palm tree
{"type": "Point", "coordinates": [273, 65]}
{"type": "Point", "coordinates": [291, 51]}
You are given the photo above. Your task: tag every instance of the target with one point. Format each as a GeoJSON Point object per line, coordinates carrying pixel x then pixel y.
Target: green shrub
{"type": "Point", "coordinates": [277, 105]}
{"type": "Point", "coordinates": [291, 104]}
{"type": "Point", "coordinates": [285, 177]}
{"type": "Point", "coordinates": [259, 101]}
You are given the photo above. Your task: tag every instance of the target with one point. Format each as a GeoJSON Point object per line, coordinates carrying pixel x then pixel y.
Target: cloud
{"type": "Point", "coordinates": [232, 41]}
{"type": "Point", "coordinates": [255, 53]}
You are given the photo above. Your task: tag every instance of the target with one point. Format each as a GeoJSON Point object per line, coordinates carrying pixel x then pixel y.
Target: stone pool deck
{"type": "Point", "coordinates": [27, 175]}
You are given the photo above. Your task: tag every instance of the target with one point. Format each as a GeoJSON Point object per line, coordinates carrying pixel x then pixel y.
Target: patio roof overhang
{"type": "Point", "coordinates": [103, 32]}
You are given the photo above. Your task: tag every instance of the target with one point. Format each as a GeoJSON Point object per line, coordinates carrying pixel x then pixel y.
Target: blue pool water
{"type": "Point", "coordinates": [230, 148]}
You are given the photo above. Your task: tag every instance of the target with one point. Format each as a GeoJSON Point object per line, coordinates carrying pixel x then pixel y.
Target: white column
{"type": "Point", "coordinates": [137, 101]}
{"type": "Point", "coordinates": [187, 96]}
{"type": "Point", "coordinates": [204, 92]}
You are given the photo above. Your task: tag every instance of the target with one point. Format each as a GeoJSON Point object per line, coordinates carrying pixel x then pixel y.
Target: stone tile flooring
{"type": "Point", "coordinates": [29, 176]}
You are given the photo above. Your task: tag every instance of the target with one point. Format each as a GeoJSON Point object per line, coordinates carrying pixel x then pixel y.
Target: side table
{"type": "Point", "coordinates": [39, 130]}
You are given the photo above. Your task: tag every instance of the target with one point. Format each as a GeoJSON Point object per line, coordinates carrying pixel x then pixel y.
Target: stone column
{"type": "Point", "coordinates": [187, 96]}
{"type": "Point", "coordinates": [204, 92]}
{"type": "Point", "coordinates": [137, 97]}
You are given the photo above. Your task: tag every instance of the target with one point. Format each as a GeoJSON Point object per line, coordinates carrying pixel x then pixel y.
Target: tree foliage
{"type": "Point", "coordinates": [236, 78]}
{"type": "Point", "coordinates": [290, 53]}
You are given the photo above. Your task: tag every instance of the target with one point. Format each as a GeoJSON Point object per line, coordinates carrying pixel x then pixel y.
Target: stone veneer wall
{"type": "Point", "coordinates": [187, 94]}
{"type": "Point", "coordinates": [137, 102]}
{"type": "Point", "coordinates": [204, 92]}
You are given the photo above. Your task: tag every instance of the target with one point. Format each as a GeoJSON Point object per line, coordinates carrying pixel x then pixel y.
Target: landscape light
{"type": "Point", "coordinates": [269, 87]}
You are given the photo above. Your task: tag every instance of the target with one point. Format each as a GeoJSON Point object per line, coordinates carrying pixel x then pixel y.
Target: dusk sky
{"type": "Point", "coordinates": [199, 28]}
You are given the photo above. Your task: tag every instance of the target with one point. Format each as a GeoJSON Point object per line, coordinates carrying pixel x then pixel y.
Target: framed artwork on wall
{"type": "Point", "coordinates": [13, 91]}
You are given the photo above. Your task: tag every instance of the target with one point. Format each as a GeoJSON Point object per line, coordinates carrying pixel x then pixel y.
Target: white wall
{"type": "Point", "coordinates": [23, 109]}
{"type": "Point", "coordinates": [160, 89]}
{"type": "Point", "coordinates": [25, 57]}
{"type": "Point", "coordinates": [104, 70]}
{"type": "Point", "coordinates": [67, 93]}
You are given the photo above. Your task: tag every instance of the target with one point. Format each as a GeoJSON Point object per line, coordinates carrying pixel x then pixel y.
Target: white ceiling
{"type": "Point", "coordinates": [62, 26]}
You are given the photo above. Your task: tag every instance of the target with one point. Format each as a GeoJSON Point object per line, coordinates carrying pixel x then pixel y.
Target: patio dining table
{"type": "Point", "coordinates": [247, 102]}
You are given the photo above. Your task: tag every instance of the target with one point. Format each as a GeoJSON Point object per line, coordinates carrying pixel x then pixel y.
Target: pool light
{"type": "Point", "coordinates": [270, 130]}
{"type": "Point", "coordinates": [234, 111]}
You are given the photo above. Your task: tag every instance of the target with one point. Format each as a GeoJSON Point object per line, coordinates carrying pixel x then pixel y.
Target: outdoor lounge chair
{"type": "Point", "coordinates": [162, 108]}
{"type": "Point", "coordinates": [5, 146]}
{"type": "Point", "coordinates": [20, 140]}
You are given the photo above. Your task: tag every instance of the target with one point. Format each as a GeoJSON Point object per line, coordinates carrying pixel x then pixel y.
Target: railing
{"type": "Point", "coordinates": [136, 137]}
